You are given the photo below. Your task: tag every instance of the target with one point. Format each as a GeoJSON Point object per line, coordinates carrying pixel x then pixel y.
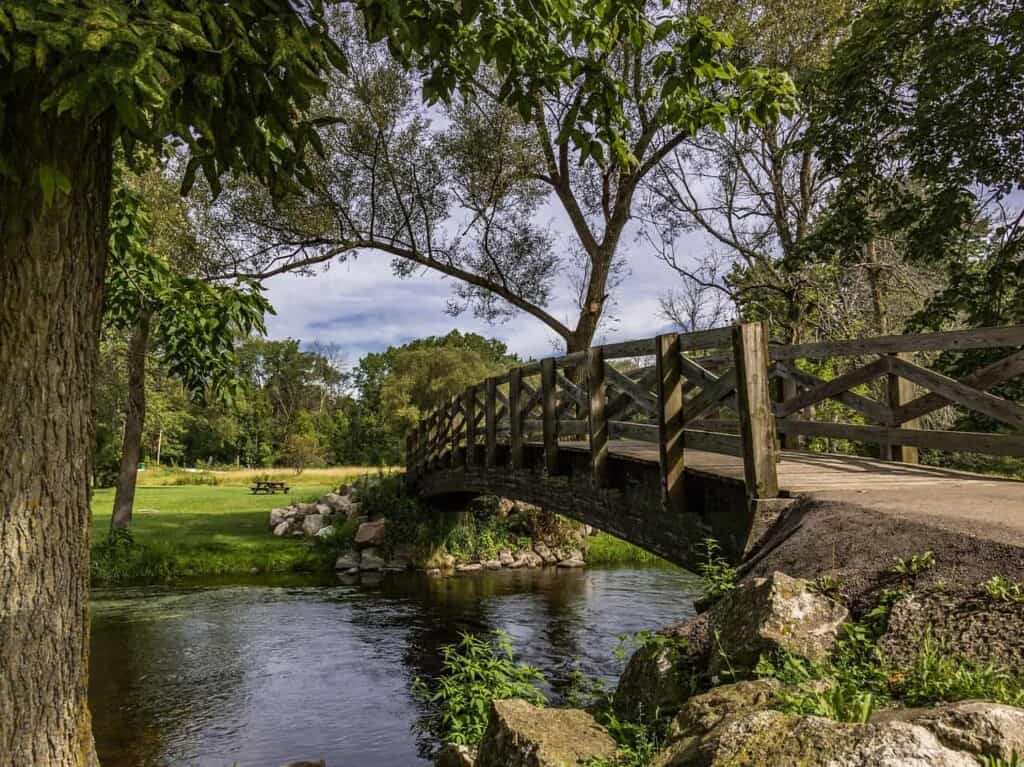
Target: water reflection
{"type": "Point", "coordinates": [264, 672]}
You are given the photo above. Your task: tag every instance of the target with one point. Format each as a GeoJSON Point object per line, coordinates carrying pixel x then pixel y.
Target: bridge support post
{"type": "Point", "coordinates": [669, 365]}
{"type": "Point", "coordinates": [549, 423]}
{"type": "Point", "coordinates": [598, 419]}
{"type": "Point", "coordinates": [469, 413]}
{"type": "Point", "coordinates": [515, 417]}
{"type": "Point", "coordinates": [757, 422]}
{"type": "Point", "coordinates": [491, 424]}
{"type": "Point", "coordinates": [453, 408]}
{"type": "Point", "coordinates": [899, 391]}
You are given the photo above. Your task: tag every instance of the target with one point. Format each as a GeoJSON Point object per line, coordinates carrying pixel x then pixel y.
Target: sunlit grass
{"type": "Point", "coordinates": [157, 476]}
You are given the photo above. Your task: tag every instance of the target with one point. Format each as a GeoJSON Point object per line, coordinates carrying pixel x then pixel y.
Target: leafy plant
{"type": "Point", "coordinates": [828, 585]}
{"type": "Point", "coordinates": [913, 567]}
{"type": "Point", "coordinates": [1015, 760]}
{"type": "Point", "coordinates": [718, 576]}
{"type": "Point", "coordinates": [1004, 590]}
{"type": "Point", "coordinates": [475, 672]}
{"type": "Point", "coordinates": [938, 675]}
{"type": "Point", "coordinates": [637, 743]}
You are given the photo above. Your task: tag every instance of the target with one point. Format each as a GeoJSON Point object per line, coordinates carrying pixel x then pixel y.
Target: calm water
{"type": "Point", "coordinates": [268, 671]}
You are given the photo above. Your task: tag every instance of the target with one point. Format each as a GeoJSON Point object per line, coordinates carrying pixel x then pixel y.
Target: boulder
{"type": "Point", "coordinates": [370, 559]}
{"type": "Point", "coordinates": [471, 567]}
{"type": "Point", "coordinates": [347, 560]}
{"type": "Point", "coordinates": [653, 683]}
{"type": "Point", "coordinates": [325, 532]}
{"type": "Point", "coordinates": [505, 507]}
{"type": "Point", "coordinates": [774, 614]}
{"type": "Point", "coordinates": [702, 713]}
{"type": "Point", "coordinates": [527, 559]}
{"type": "Point", "coordinates": [371, 533]}
{"type": "Point", "coordinates": [277, 516]}
{"type": "Point", "coordinates": [312, 524]}
{"type": "Point", "coordinates": [452, 755]}
{"type": "Point", "coordinates": [522, 735]}
{"type": "Point", "coordinates": [304, 509]}
{"type": "Point", "coordinates": [282, 529]}
{"type": "Point", "coordinates": [506, 558]}
{"type": "Point", "coordinates": [773, 739]}
{"type": "Point", "coordinates": [572, 562]}
{"type": "Point", "coordinates": [323, 509]}
{"type": "Point", "coordinates": [547, 556]}
{"type": "Point", "coordinates": [491, 564]}
{"type": "Point", "coordinates": [979, 727]}
{"type": "Point", "coordinates": [337, 503]}
{"type": "Point", "coordinates": [402, 557]}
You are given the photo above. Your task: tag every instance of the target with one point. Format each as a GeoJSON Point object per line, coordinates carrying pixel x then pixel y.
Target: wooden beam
{"type": "Point", "coordinates": [515, 418]}
{"type": "Point", "coordinates": [711, 395]}
{"type": "Point", "coordinates": [641, 396]}
{"type": "Point", "coordinates": [980, 338]}
{"type": "Point", "coordinates": [788, 371]}
{"type": "Point", "coordinates": [952, 441]}
{"type": "Point", "coordinates": [668, 359]}
{"type": "Point", "coordinates": [757, 424]}
{"type": "Point", "coordinates": [837, 386]}
{"type": "Point", "coordinates": [598, 393]}
{"type": "Point", "coordinates": [491, 424]}
{"type": "Point", "coordinates": [785, 389]}
{"type": "Point", "coordinates": [469, 406]}
{"type": "Point", "coordinates": [455, 433]}
{"type": "Point", "coordinates": [549, 415]}
{"type": "Point", "coordinates": [899, 392]}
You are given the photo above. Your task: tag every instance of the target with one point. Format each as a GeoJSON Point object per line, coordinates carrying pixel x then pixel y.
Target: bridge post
{"type": "Point", "coordinates": [598, 418]}
{"type": "Point", "coordinates": [453, 408]}
{"type": "Point", "coordinates": [469, 408]}
{"type": "Point", "coordinates": [786, 390]}
{"type": "Point", "coordinates": [515, 418]}
{"type": "Point", "coordinates": [899, 391]}
{"type": "Point", "coordinates": [549, 403]}
{"type": "Point", "coordinates": [757, 422]}
{"type": "Point", "coordinates": [669, 367]}
{"type": "Point", "coordinates": [491, 424]}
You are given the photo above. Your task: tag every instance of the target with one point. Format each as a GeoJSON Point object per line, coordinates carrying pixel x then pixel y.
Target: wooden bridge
{"type": "Point", "coordinates": [669, 440]}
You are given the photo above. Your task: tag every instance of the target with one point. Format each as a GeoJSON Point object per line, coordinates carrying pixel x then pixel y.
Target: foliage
{"type": "Point", "coordinates": [300, 451]}
{"type": "Point", "coordinates": [718, 576]}
{"type": "Point", "coordinates": [987, 760]}
{"type": "Point", "coordinates": [475, 672]}
{"type": "Point", "coordinates": [606, 549]}
{"type": "Point", "coordinates": [936, 675]}
{"type": "Point", "coordinates": [917, 564]}
{"type": "Point", "coordinates": [195, 478]}
{"type": "Point", "coordinates": [1004, 590]}
{"type": "Point", "coordinates": [638, 743]}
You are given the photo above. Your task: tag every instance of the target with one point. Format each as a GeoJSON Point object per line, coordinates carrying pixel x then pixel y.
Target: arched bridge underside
{"type": "Point", "coordinates": [708, 441]}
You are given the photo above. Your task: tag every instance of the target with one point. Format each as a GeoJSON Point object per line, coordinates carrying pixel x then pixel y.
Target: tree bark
{"type": "Point", "coordinates": [52, 261]}
{"type": "Point", "coordinates": [135, 418]}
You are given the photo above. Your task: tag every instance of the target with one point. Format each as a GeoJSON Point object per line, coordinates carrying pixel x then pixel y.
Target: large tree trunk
{"type": "Point", "coordinates": [52, 260]}
{"type": "Point", "coordinates": [134, 420]}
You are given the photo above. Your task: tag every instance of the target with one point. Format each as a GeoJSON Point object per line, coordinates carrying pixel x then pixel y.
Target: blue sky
{"type": "Point", "coordinates": [361, 306]}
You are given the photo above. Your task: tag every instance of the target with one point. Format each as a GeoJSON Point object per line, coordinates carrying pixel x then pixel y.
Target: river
{"type": "Point", "coordinates": [260, 672]}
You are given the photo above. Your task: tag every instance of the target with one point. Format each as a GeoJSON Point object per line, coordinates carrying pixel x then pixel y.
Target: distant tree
{"type": "Point", "coordinates": [301, 451]}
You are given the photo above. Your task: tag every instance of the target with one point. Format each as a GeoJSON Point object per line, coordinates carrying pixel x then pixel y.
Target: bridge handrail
{"type": "Point", "coordinates": [746, 401]}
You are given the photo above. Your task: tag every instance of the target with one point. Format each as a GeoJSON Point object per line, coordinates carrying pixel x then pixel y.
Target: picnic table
{"type": "Point", "coordinates": [264, 486]}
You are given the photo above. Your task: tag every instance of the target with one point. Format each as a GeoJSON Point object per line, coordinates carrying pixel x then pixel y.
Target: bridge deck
{"type": "Point", "coordinates": [989, 507]}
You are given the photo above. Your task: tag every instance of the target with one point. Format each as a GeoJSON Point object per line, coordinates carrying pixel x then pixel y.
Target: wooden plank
{"type": "Point", "coordinates": [785, 389]}
{"type": "Point", "coordinates": [668, 360]}
{"type": "Point", "coordinates": [979, 338]}
{"type": "Point", "coordinates": [996, 407]}
{"type": "Point", "coordinates": [698, 340]}
{"type": "Point", "coordinates": [568, 428]}
{"type": "Point", "coordinates": [533, 397]}
{"type": "Point", "coordinates": [597, 420]}
{"type": "Point", "coordinates": [642, 348]}
{"type": "Point", "coordinates": [722, 425]}
{"type": "Point", "coordinates": [515, 419]}
{"type": "Point", "coordinates": [898, 392]}
{"type": "Point", "coordinates": [500, 395]}
{"type": "Point", "coordinates": [834, 388]}
{"type": "Point", "coordinates": [643, 398]}
{"type": "Point", "coordinates": [549, 404]}
{"type": "Point", "coordinates": [953, 441]}
{"type": "Point", "coordinates": [491, 424]}
{"type": "Point", "coordinates": [645, 432]}
{"type": "Point", "coordinates": [469, 406]}
{"type": "Point", "coordinates": [711, 395]}
{"type": "Point", "coordinates": [714, 442]}
{"type": "Point", "coordinates": [757, 424]}
{"type": "Point", "coordinates": [874, 410]}
{"type": "Point", "coordinates": [572, 391]}
{"type": "Point", "coordinates": [456, 433]}
{"type": "Point", "coordinates": [984, 378]}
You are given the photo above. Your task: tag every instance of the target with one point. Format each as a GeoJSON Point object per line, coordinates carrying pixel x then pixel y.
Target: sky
{"type": "Point", "coordinates": [363, 308]}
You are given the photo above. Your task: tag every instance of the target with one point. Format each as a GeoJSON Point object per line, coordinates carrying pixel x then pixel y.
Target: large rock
{"type": "Point", "coordinates": [402, 557]}
{"type": "Point", "coordinates": [347, 560]}
{"type": "Point", "coordinates": [304, 509]}
{"type": "Point", "coordinates": [774, 614]}
{"type": "Point", "coordinates": [702, 713]}
{"type": "Point", "coordinates": [547, 556]}
{"type": "Point", "coordinates": [572, 562]}
{"type": "Point", "coordinates": [325, 532]}
{"type": "Point", "coordinates": [527, 559]}
{"type": "Point", "coordinates": [506, 558]}
{"type": "Point", "coordinates": [370, 559]}
{"type": "Point", "coordinates": [522, 735]}
{"type": "Point", "coordinates": [277, 516]}
{"type": "Point", "coordinates": [338, 503]}
{"type": "Point", "coordinates": [774, 739]}
{"type": "Point", "coordinates": [654, 683]}
{"type": "Point", "coordinates": [282, 529]}
{"type": "Point", "coordinates": [324, 510]}
{"type": "Point", "coordinates": [371, 533]}
{"type": "Point", "coordinates": [312, 524]}
{"type": "Point", "coordinates": [453, 755]}
{"type": "Point", "coordinates": [979, 727]}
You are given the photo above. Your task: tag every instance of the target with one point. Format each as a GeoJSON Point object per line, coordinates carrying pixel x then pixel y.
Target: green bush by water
{"type": "Point", "coordinates": [605, 549]}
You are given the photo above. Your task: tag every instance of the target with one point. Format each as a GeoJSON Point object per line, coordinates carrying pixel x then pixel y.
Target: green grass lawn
{"type": "Point", "coordinates": [196, 530]}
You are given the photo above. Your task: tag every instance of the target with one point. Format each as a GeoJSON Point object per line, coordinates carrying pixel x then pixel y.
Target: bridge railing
{"type": "Point", "coordinates": [727, 390]}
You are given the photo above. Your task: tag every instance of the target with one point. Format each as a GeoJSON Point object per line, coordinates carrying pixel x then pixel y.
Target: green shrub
{"type": "Point", "coordinates": [195, 478]}
{"type": "Point", "coordinates": [917, 564]}
{"type": "Point", "coordinates": [474, 673]}
{"type": "Point", "coordinates": [718, 576]}
{"type": "Point", "coordinates": [936, 675]}
{"type": "Point", "coordinates": [637, 743]}
{"type": "Point", "coordinates": [1004, 590]}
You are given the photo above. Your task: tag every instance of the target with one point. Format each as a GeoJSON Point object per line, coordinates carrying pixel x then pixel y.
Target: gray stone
{"type": "Point", "coordinates": [312, 524]}
{"type": "Point", "coordinates": [371, 533]}
{"type": "Point", "coordinates": [522, 735]}
{"type": "Point", "coordinates": [470, 567]}
{"type": "Point", "coordinates": [277, 516]}
{"type": "Point", "coordinates": [452, 755]}
{"type": "Point", "coordinates": [347, 560]}
{"type": "Point", "coordinates": [769, 615]}
{"type": "Point", "coordinates": [528, 559]}
{"type": "Point", "coordinates": [491, 564]}
{"type": "Point", "coordinates": [979, 727]}
{"type": "Point", "coordinates": [338, 503]}
{"type": "Point", "coordinates": [653, 683]}
{"type": "Point", "coordinates": [325, 532]}
{"type": "Point", "coordinates": [282, 529]}
{"type": "Point", "coordinates": [323, 509]}
{"type": "Point", "coordinates": [506, 558]}
{"type": "Point", "coordinates": [547, 556]}
{"type": "Point", "coordinates": [773, 739]}
{"type": "Point", "coordinates": [304, 509]}
{"type": "Point", "coordinates": [702, 713]}
{"type": "Point", "coordinates": [572, 562]}
{"type": "Point", "coordinates": [370, 559]}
